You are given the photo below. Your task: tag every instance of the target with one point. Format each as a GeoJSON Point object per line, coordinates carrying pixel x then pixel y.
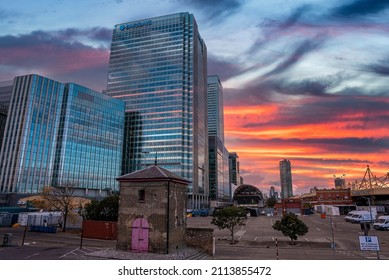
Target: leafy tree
{"type": "Point", "coordinates": [60, 199]}
{"type": "Point", "coordinates": [105, 210]}
{"type": "Point", "coordinates": [270, 202]}
{"type": "Point", "coordinates": [290, 225]}
{"type": "Point", "coordinates": [229, 218]}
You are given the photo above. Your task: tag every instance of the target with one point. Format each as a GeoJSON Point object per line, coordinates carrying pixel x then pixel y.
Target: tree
{"type": "Point", "coordinates": [229, 218]}
{"type": "Point", "coordinates": [105, 210]}
{"type": "Point", "coordinates": [60, 199]}
{"type": "Point", "coordinates": [270, 202]}
{"type": "Point", "coordinates": [291, 226]}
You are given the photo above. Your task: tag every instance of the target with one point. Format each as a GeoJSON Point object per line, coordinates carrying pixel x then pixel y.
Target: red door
{"type": "Point", "coordinates": [140, 236]}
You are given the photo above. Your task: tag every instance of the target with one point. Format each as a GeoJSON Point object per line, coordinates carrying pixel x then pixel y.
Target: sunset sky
{"type": "Point", "coordinates": [303, 80]}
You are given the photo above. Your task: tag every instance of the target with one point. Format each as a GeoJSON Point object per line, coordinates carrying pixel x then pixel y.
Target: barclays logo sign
{"type": "Point", "coordinates": [135, 25]}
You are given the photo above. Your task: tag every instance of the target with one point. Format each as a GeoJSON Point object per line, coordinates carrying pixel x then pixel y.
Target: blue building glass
{"type": "Point", "coordinates": [158, 66]}
{"type": "Point", "coordinates": [60, 133]}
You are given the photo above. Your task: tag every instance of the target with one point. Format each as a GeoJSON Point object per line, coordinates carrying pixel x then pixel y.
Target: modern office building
{"type": "Point", "coordinates": [3, 119]}
{"type": "Point", "coordinates": [59, 134]}
{"type": "Point", "coordinates": [273, 193]}
{"type": "Point", "coordinates": [6, 92]}
{"type": "Point", "coordinates": [286, 179]}
{"type": "Point", "coordinates": [219, 190]}
{"type": "Point", "coordinates": [219, 187]}
{"type": "Point", "coordinates": [158, 66]}
{"type": "Point", "coordinates": [215, 108]}
{"type": "Point", "coordinates": [233, 160]}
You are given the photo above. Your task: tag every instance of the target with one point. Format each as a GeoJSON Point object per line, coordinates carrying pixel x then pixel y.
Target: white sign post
{"type": "Point", "coordinates": [369, 243]}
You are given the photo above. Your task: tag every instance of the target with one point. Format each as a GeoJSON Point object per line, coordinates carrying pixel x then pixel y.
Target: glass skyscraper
{"type": "Point", "coordinates": [219, 189]}
{"type": "Point", "coordinates": [58, 134]}
{"type": "Point", "coordinates": [158, 66]}
{"type": "Point", "coordinates": [215, 108]}
{"type": "Point", "coordinates": [286, 179]}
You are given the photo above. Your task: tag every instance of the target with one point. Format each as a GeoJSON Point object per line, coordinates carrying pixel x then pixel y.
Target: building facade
{"type": "Point", "coordinates": [60, 134]}
{"type": "Point", "coordinates": [218, 167]}
{"type": "Point", "coordinates": [215, 108]}
{"type": "Point", "coordinates": [233, 160]}
{"type": "Point", "coordinates": [3, 120]}
{"type": "Point", "coordinates": [286, 179]}
{"type": "Point", "coordinates": [158, 67]}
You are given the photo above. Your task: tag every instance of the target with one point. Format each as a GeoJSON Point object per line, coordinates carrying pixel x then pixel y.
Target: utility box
{"type": "Point", "coordinates": [7, 239]}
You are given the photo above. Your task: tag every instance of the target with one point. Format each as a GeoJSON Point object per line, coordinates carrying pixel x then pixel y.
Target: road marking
{"type": "Point", "coordinates": [272, 238]}
{"type": "Point", "coordinates": [318, 229]}
{"type": "Point", "coordinates": [306, 239]}
{"type": "Point", "coordinates": [240, 233]}
{"type": "Point", "coordinates": [36, 254]}
{"type": "Point", "coordinates": [255, 239]}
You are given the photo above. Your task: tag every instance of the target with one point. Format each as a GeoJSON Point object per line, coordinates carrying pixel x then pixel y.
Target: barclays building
{"type": "Point", "coordinates": [158, 67]}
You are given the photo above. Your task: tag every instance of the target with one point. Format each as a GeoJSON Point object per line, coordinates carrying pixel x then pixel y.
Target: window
{"type": "Point", "coordinates": [141, 195]}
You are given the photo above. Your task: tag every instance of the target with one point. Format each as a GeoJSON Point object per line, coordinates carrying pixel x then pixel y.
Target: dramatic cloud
{"type": "Point", "coordinates": [216, 9]}
{"type": "Point", "coordinates": [361, 8]}
{"type": "Point", "coordinates": [58, 54]}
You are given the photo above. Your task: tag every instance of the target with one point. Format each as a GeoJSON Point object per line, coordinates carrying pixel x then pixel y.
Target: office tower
{"type": "Point", "coordinates": [158, 66]}
{"type": "Point", "coordinates": [286, 179]}
{"type": "Point", "coordinates": [233, 160]}
{"type": "Point", "coordinates": [58, 134]}
{"type": "Point", "coordinates": [3, 119]}
{"type": "Point", "coordinates": [272, 192]}
{"type": "Point", "coordinates": [6, 92]}
{"type": "Point", "coordinates": [215, 108]}
{"type": "Point", "coordinates": [218, 173]}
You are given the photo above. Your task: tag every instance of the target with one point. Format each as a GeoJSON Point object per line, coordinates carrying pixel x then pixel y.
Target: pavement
{"type": "Point", "coordinates": [255, 241]}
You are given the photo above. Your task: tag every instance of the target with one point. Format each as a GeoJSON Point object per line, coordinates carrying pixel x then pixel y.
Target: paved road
{"type": "Point", "coordinates": [256, 241]}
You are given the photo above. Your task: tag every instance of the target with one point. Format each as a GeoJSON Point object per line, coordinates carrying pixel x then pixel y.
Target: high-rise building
{"type": "Point", "coordinates": [233, 160]}
{"type": "Point", "coordinates": [286, 179]}
{"type": "Point", "coordinates": [215, 108]}
{"type": "Point", "coordinates": [3, 119]}
{"type": "Point", "coordinates": [273, 193]}
{"type": "Point", "coordinates": [158, 66]}
{"type": "Point", "coordinates": [218, 172]}
{"type": "Point", "coordinates": [6, 92]}
{"type": "Point", "coordinates": [60, 134]}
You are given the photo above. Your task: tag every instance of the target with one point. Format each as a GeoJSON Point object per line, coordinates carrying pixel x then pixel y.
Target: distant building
{"type": "Point", "coordinates": [286, 179]}
{"type": "Point", "coordinates": [340, 183]}
{"type": "Point", "coordinates": [58, 134]}
{"type": "Point", "coordinates": [328, 197]}
{"type": "Point", "coordinates": [233, 159]}
{"type": "Point", "coordinates": [273, 193]}
{"type": "Point", "coordinates": [248, 196]}
{"type": "Point", "coordinates": [215, 108]}
{"type": "Point", "coordinates": [218, 160]}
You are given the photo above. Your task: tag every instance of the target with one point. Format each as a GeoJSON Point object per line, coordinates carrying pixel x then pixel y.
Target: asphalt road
{"type": "Point", "coordinates": [256, 241]}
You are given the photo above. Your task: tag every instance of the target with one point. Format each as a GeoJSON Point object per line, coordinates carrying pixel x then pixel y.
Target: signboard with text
{"type": "Point", "coordinates": [369, 243]}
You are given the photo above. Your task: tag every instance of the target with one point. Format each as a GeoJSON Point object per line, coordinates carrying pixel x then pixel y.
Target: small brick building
{"type": "Point", "coordinates": [152, 211]}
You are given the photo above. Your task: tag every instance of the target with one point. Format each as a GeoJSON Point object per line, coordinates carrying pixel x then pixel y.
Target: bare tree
{"type": "Point", "coordinates": [60, 199]}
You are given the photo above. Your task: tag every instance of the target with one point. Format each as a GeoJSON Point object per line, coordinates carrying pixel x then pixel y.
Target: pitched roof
{"type": "Point", "coordinates": [152, 173]}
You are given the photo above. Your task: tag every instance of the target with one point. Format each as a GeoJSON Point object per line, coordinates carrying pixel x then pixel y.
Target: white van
{"type": "Point", "coordinates": [382, 223]}
{"type": "Point", "coordinates": [350, 214]}
{"type": "Point", "coordinates": [364, 217]}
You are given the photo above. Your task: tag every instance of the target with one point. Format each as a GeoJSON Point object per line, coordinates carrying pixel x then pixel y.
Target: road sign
{"type": "Point", "coordinates": [369, 243]}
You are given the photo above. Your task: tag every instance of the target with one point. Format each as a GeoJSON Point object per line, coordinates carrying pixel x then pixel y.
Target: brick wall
{"type": "Point", "coordinates": [201, 238]}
